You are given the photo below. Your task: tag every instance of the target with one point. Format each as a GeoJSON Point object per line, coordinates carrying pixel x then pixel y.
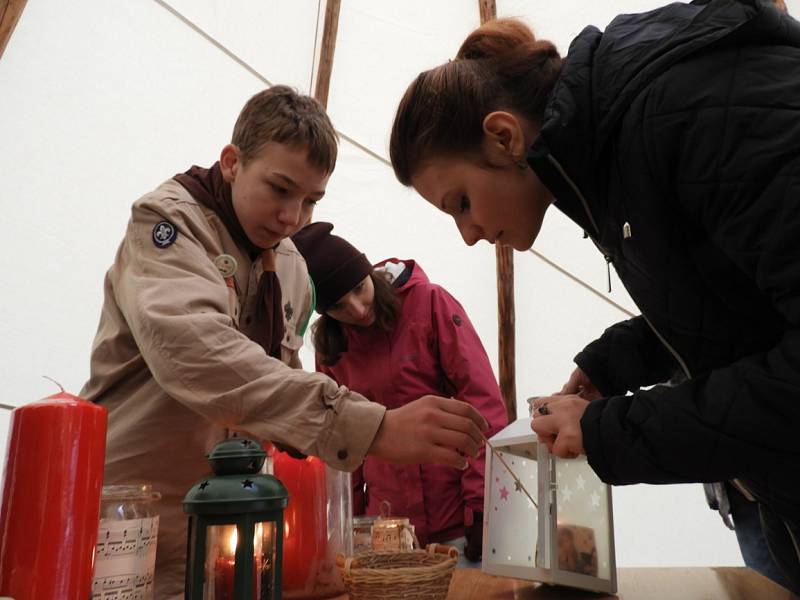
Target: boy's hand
{"type": "Point", "coordinates": [430, 430]}
{"type": "Point", "coordinates": [559, 424]}
{"type": "Point", "coordinates": [579, 383]}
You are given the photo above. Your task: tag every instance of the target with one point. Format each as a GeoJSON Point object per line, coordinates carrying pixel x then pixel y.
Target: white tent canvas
{"type": "Point", "coordinates": [101, 101]}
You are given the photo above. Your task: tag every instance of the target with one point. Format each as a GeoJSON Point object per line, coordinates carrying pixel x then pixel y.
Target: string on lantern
{"type": "Point", "coordinates": [517, 480]}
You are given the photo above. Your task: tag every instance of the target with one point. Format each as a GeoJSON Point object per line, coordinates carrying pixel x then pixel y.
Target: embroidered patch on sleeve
{"type": "Point", "coordinates": [164, 234]}
{"type": "Point", "coordinates": [288, 311]}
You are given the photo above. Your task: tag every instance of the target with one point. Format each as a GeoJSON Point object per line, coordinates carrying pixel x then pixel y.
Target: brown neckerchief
{"type": "Point", "coordinates": [208, 187]}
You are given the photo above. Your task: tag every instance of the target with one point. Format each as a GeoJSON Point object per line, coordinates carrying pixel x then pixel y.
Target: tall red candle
{"type": "Point", "coordinates": [305, 518]}
{"type": "Point", "coordinates": [51, 499]}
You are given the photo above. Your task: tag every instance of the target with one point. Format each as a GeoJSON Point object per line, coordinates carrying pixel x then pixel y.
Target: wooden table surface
{"type": "Point", "coordinates": [679, 583]}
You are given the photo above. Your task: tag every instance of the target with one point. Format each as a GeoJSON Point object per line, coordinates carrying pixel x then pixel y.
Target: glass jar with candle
{"type": "Point", "coordinates": [362, 533]}
{"type": "Point", "coordinates": [126, 542]}
{"type": "Point", "coordinates": [318, 525]}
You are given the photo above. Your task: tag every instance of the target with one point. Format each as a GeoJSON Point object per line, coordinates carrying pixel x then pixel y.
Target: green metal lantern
{"type": "Point", "coordinates": [235, 545]}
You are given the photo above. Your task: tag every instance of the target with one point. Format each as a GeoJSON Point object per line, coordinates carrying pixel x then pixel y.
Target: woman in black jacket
{"type": "Point", "coordinates": [673, 140]}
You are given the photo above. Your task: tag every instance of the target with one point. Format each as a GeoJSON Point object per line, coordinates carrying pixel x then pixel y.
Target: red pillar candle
{"type": "Point", "coordinates": [51, 498]}
{"type": "Point", "coordinates": [305, 519]}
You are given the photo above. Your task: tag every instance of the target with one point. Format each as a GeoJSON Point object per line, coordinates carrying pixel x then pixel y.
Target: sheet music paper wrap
{"type": "Point", "coordinates": [126, 547]}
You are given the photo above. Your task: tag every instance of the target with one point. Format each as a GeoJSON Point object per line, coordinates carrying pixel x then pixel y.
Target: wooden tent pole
{"type": "Point", "coordinates": [327, 49]}
{"type": "Point", "coordinates": [505, 293]}
{"type": "Point", "coordinates": [488, 10]}
{"type": "Point", "coordinates": [10, 11]}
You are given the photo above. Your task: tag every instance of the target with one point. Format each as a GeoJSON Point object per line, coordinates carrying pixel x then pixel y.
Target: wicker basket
{"type": "Point", "coordinates": [416, 575]}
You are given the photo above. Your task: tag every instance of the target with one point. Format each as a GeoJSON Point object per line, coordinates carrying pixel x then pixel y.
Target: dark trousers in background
{"type": "Point", "coordinates": [767, 543]}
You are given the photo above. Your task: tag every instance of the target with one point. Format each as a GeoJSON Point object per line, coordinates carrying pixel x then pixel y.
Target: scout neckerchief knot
{"type": "Point", "coordinates": [208, 187]}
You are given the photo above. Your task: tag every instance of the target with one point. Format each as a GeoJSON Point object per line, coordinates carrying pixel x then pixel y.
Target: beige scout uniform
{"type": "Point", "coordinates": [173, 364]}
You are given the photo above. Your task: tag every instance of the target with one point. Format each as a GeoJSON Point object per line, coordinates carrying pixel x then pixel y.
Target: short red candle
{"type": "Point", "coordinates": [223, 578]}
{"type": "Point", "coordinates": [225, 568]}
{"type": "Point", "coordinates": [51, 498]}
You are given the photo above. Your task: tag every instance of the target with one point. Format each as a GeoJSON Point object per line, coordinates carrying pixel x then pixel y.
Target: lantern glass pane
{"type": "Point", "coordinates": [221, 542]}
{"type": "Point", "coordinates": [583, 528]}
{"type": "Point", "coordinates": [221, 545]}
{"type": "Point", "coordinates": [265, 548]}
{"type": "Point", "coordinates": [514, 530]}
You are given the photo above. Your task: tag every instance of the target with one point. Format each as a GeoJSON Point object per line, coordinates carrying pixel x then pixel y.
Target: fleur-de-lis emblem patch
{"type": "Point", "coordinates": [164, 234]}
{"type": "Point", "coordinates": [288, 311]}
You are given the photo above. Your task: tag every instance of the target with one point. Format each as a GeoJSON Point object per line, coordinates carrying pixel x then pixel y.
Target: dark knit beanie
{"type": "Point", "coordinates": [335, 265]}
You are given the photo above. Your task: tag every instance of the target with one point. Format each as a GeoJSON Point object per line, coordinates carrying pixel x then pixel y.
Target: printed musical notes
{"type": "Point", "coordinates": [125, 559]}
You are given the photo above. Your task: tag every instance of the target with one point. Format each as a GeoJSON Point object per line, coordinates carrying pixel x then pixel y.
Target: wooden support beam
{"type": "Point", "coordinates": [488, 10]}
{"type": "Point", "coordinates": [506, 346]}
{"type": "Point", "coordinates": [506, 328]}
{"type": "Point", "coordinates": [10, 11]}
{"type": "Point", "coordinates": [327, 49]}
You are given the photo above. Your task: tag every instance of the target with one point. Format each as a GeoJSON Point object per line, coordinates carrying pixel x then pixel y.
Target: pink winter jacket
{"type": "Point", "coordinates": [433, 350]}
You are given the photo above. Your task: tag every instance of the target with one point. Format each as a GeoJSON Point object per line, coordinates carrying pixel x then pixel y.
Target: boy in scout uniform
{"type": "Point", "coordinates": [204, 311]}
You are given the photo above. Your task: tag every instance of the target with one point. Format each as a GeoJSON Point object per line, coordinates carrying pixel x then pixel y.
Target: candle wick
{"type": "Point", "coordinates": [54, 381]}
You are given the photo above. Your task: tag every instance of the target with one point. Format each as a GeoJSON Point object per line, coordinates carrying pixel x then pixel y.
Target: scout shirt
{"type": "Point", "coordinates": [174, 366]}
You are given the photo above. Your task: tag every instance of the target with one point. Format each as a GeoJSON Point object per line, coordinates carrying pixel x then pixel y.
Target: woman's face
{"type": "Point", "coordinates": [502, 204]}
{"type": "Point", "coordinates": [356, 307]}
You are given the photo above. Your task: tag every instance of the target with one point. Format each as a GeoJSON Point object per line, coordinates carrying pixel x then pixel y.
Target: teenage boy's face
{"type": "Point", "coordinates": [356, 307]}
{"type": "Point", "coordinates": [273, 193]}
{"type": "Point", "coordinates": [501, 205]}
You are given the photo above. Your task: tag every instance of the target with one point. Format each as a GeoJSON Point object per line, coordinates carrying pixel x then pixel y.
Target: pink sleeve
{"type": "Point", "coordinates": [467, 368]}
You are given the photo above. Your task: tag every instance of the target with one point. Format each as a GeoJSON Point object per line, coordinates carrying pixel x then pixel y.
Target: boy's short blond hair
{"type": "Point", "coordinates": [280, 114]}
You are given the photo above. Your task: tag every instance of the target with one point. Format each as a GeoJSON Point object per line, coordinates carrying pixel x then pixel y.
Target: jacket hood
{"type": "Point", "coordinates": [603, 73]}
{"type": "Point", "coordinates": [417, 276]}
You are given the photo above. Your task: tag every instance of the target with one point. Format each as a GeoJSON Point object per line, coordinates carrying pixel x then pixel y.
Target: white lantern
{"type": "Point", "coordinates": [569, 538]}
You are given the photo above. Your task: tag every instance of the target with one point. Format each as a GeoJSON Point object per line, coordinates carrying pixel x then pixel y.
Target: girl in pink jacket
{"type": "Point", "coordinates": [390, 334]}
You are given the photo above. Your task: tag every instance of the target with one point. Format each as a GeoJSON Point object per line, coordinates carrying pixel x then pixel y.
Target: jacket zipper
{"type": "Point", "coordinates": [589, 214]}
{"type": "Point", "coordinates": [671, 350]}
{"type": "Point", "coordinates": [609, 260]}
{"type": "Point", "coordinates": [575, 189]}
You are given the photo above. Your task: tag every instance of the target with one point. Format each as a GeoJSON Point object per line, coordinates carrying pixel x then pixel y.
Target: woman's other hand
{"type": "Point", "coordinates": [579, 384]}
{"type": "Point", "coordinates": [557, 422]}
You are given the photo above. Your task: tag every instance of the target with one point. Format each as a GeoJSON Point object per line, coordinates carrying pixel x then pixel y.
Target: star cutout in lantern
{"type": "Point", "coordinates": [503, 493]}
{"type": "Point", "coordinates": [566, 493]}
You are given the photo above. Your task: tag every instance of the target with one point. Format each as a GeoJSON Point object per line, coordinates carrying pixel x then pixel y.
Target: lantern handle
{"type": "Point", "coordinates": [385, 509]}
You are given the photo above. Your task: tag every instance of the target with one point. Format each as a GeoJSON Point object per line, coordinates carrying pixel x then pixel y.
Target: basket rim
{"type": "Point", "coordinates": [350, 567]}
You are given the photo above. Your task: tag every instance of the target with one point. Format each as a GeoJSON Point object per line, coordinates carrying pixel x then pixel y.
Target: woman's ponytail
{"type": "Point", "coordinates": [500, 66]}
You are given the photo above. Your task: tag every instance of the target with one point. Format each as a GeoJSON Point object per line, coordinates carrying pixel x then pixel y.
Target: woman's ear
{"type": "Point", "coordinates": [229, 162]}
{"type": "Point", "coordinates": [503, 138]}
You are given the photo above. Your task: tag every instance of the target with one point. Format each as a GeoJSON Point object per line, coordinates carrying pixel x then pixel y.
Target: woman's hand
{"type": "Point", "coordinates": [430, 430]}
{"type": "Point", "coordinates": [557, 422]}
{"type": "Point", "coordinates": [579, 383]}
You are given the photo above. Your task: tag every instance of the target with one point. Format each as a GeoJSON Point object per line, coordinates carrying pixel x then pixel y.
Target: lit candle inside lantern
{"type": "Point", "coordinates": [225, 564]}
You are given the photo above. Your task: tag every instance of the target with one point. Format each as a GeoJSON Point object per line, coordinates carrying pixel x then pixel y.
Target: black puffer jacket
{"type": "Point", "coordinates": [673, 139]}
